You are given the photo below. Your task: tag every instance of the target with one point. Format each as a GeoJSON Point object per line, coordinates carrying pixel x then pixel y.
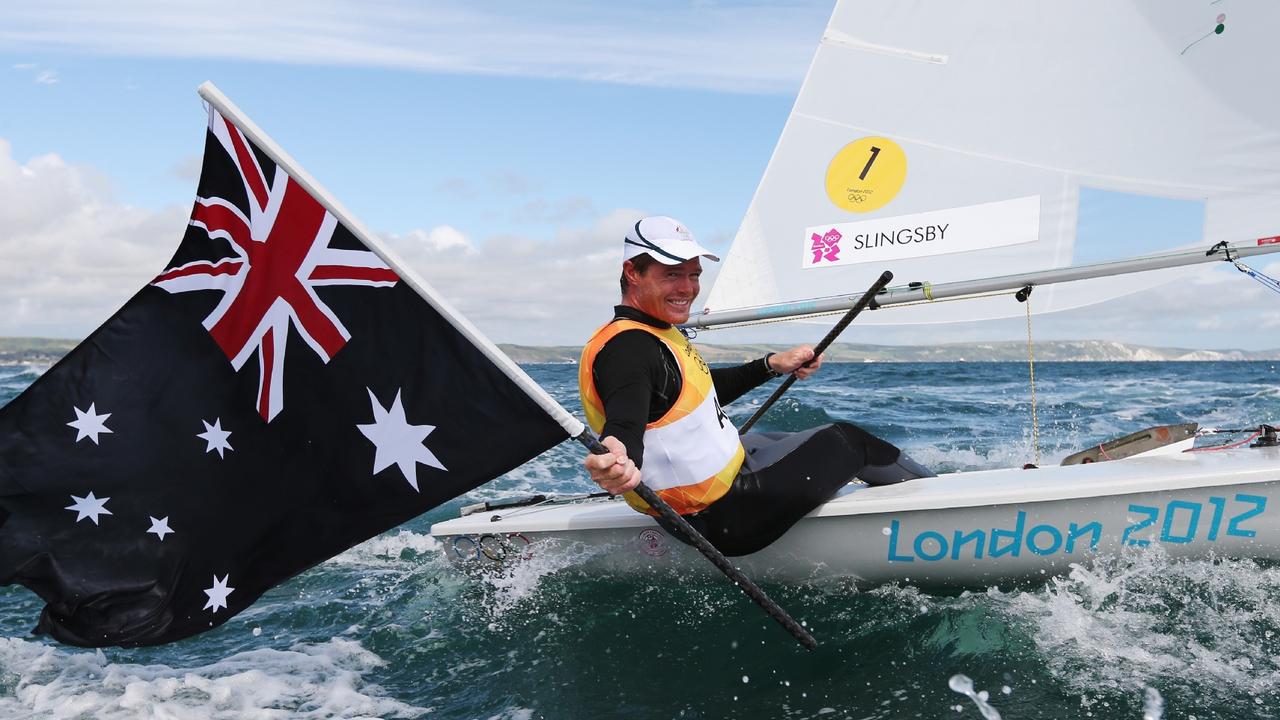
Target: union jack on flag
{"type": "Point", "coordinates": [280, 254]}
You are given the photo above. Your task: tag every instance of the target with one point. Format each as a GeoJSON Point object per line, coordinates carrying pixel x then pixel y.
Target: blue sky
{"type": "Point", "coordinates": [498, 149]}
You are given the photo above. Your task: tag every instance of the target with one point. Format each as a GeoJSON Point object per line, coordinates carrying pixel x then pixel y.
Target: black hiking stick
{"type": "Point", "coordinates": [774, 610]}
{"type": "Point", "coordinates": [862, 303]}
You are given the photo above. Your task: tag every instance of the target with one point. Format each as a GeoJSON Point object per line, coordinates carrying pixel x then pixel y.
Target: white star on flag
{"type": "Point", "coordinates": [398, 443]}
{"type": "Point", "coordinates": [89, 424]}
{"type": "Point", "coordinates": [160, 526]}
{"type": "Point", "coordinates": [218, 593]}
{"type": "Point", "coordinates": [216, 437]}
{"type": "Point", "coordinates": [89, 507]}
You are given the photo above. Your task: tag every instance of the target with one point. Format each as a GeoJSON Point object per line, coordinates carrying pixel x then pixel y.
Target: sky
{"type": "Point", "coordinates": [500, 148]}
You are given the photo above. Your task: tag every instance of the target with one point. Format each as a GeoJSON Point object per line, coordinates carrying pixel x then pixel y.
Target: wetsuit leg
{"type": "Point", "coordinates": [785, 476]}
{"type": "Point", "coordinates": [886, 464]}
{"type": "Point", "coordinates": [768, 498]}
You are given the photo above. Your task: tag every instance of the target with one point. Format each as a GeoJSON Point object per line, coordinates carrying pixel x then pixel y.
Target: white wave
{"type": "Point", "coordinates": [398, 568]}
{"type": "Point", "coordinates": [322, 680]}
{"type": "Point", "coordinates": [391, 549]}
{"type": "Point", "coordinates": [1127, 623]}
{"type": "Point", "coordinates": [511, 585]}
{"type": "Point", "coordinates": [13, 370]}
{"type": "Point", "coordinates": [1009, 453]}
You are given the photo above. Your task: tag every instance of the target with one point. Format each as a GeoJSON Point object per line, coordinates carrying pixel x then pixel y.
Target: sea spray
{"type": "Point", "coordinates": [963, 685]}
{"type": "Point", "coordinates": [309, 680]}
{"type": "Point", "coordinates": [1204, 628]}
{"type": "Point", "coordinates": [1152, 704]}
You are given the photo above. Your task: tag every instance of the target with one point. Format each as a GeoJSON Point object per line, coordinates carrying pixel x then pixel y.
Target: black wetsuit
{"type": "Point", "coordinates": [784, 475]}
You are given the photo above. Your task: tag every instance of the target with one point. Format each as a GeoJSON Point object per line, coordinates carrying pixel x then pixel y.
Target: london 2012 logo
{"type": "Point", "coordinates": [826, 246]}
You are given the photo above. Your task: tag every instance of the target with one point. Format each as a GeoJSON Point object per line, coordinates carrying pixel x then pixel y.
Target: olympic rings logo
{"type": "Point", "coordinates": [497, 548]}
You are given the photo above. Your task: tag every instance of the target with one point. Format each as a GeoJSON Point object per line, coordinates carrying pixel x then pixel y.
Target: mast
{"type": "Point", "coordinates": [923, 291]}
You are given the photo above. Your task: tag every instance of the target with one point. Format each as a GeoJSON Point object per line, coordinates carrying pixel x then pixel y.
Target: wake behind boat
{"type": "Point", "coordinates": [966, 529]}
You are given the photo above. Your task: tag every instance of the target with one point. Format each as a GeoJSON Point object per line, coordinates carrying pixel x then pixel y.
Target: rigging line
{"type": "Point", "coordinates": [1227, 446]}
{"type": "Point", "coordinates": [1024, 295]}
{"type": "Point", "coordinates": [1266, 280]}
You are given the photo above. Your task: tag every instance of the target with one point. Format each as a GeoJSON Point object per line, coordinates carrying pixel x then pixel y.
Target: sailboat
{"type": "Point", "coordinates": [991, 155]}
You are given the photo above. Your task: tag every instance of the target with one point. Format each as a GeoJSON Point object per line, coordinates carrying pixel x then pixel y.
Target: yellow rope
{"type": "Point", "coordinates": [1031, 366]}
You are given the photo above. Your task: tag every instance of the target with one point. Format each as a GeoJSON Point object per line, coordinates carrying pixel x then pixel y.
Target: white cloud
{"type": "Point", "coordinates": [543, 291]}
{"type": "Point", "coordinates": [751, 46]}
{"type": "Point", "coordinates": [24, 66]}
{"type": "Point", "coordinates": [71, 254]}
{"type": "Point", "coordinates": [440, 239]}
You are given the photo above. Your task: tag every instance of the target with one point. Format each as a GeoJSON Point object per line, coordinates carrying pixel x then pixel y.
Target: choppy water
{"type": "Point", "coordinates": [389, 629]}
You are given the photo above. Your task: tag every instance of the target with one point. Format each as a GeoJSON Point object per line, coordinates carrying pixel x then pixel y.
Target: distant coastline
{"type": "Point", "coordinates": [47, 350]}
{"type": "Point", "coordinates": [1012, 351]}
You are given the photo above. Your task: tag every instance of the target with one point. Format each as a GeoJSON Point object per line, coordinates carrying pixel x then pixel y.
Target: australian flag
{"type": "Point", "coordinates": [275, 396]}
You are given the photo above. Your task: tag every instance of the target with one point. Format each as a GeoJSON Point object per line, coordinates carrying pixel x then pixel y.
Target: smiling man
{"type": "Point", "coordinates": [657, 405]}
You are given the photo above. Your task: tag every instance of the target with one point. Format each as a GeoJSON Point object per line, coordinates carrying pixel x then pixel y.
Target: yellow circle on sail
{"type": "Point", "coordinates": [866, 174]}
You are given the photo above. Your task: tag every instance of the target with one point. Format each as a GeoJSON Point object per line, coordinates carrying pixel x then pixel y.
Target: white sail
{"type": "Point", "coordinates": [949, 141]}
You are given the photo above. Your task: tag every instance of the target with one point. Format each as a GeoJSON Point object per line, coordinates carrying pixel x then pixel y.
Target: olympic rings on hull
{"type": "Point", "coordinates": [491, 548]}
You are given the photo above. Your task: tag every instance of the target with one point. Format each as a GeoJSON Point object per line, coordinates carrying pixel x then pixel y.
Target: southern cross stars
{"type": "Point", "coordinates": [160, 526]}
{"type": "Point", "coordinates": [216, 437]}
{"type": "Point", "coordinates": [89, 507]}
{"type": "Point", "coordinates": [218, 593]}
{"type": "Point", "coordinates": [398, 443]}
{"type": "Point", "coordinates": [89, 424]}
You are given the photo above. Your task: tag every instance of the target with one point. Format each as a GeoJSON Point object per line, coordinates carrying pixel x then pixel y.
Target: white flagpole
{"type": "Point", "coordinates": [212, 95]}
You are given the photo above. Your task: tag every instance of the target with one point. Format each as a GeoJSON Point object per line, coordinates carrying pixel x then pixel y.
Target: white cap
{"type": "Point", "coordinates": [666, 240]}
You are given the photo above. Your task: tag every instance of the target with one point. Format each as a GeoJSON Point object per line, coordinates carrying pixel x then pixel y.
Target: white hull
{"type": "Point", "coordinates": [970, 529]}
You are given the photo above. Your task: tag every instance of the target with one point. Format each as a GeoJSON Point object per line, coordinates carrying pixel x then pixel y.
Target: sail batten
{"type": "Point", "coordinates": [836, 37]}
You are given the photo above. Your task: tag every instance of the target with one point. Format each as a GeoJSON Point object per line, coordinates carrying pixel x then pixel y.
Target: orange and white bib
{"type": "Point", "coordinates": [692, 453]}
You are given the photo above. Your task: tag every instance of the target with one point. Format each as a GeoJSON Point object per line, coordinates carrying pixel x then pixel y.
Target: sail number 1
{"type": "Point", "coordinates": [874, 152]}
{"type": "Point", "coordinates": [866, 174]}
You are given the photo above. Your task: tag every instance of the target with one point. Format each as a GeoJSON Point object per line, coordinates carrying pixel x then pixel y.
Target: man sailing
{"type": "Point", "coordinates": [657, 405]}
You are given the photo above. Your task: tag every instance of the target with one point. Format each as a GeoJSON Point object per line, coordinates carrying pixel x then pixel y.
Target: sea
{"type": "Point", "coordinates": [390, 629]}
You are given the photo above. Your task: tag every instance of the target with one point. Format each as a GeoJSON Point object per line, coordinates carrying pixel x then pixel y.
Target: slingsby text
{"type": "Point", "coordinates": [927, 233]}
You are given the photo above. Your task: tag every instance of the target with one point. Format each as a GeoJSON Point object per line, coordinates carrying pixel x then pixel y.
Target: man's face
{"type": "Point", "coordinates": [664, 291]}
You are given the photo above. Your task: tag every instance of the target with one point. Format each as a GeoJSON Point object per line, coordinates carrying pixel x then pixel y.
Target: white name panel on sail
{"type": "Point", "coordinates": [937, 232]}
